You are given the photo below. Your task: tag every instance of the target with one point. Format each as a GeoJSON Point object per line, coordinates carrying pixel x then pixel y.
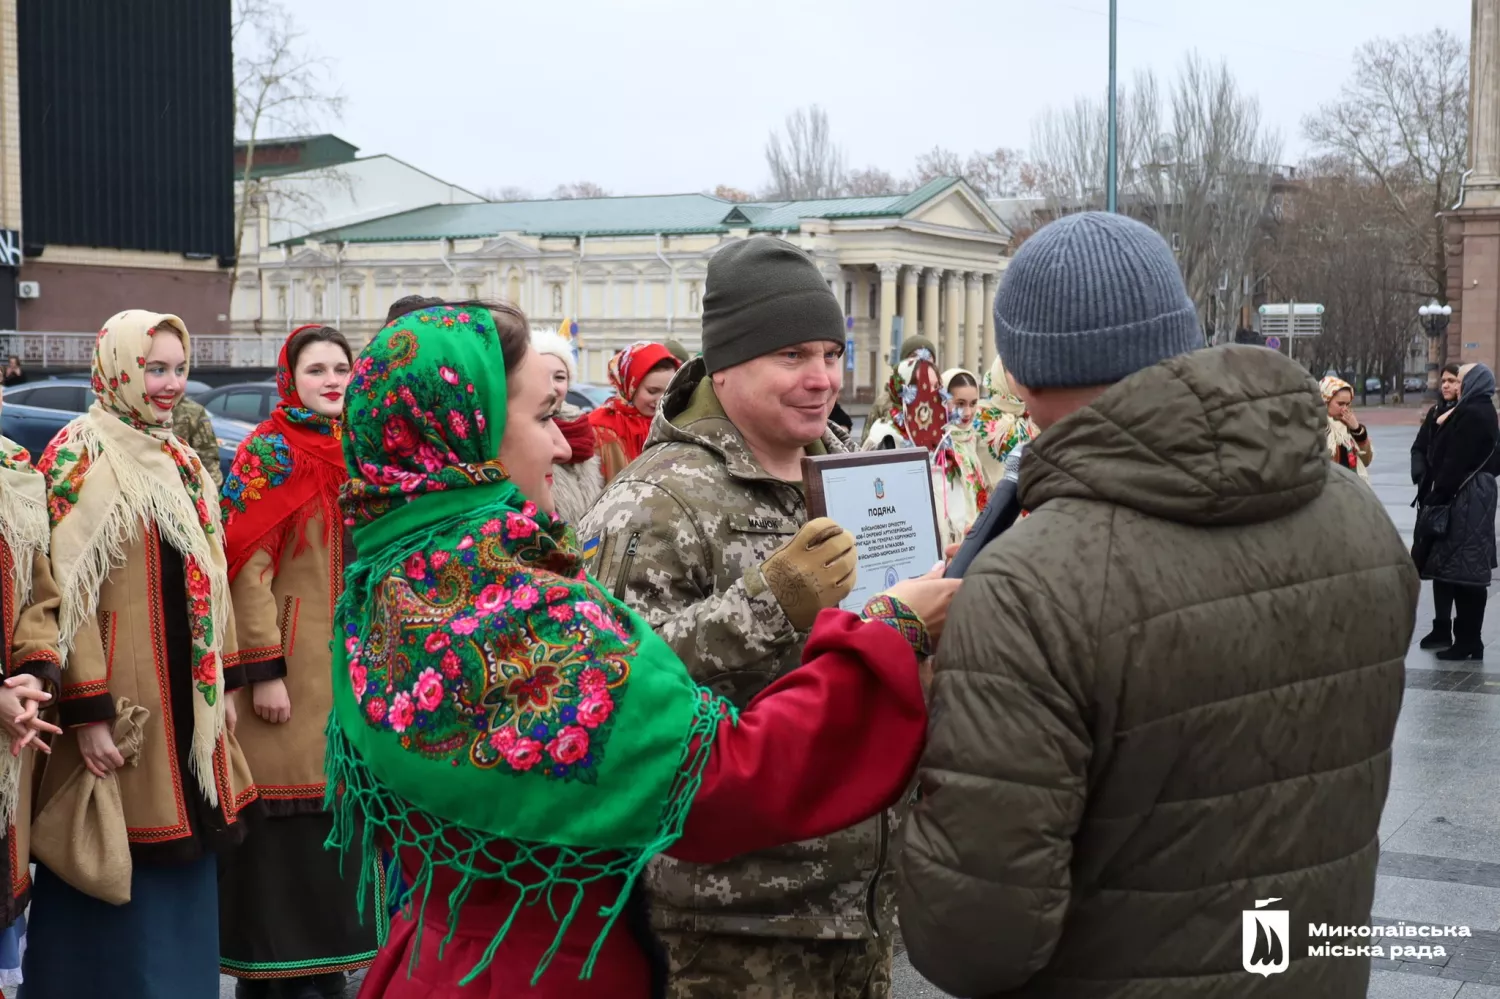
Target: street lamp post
{"type": "Point", "coordinates": [1112, 181]}
{"type": "Point", "coordinates": [1434, 319]}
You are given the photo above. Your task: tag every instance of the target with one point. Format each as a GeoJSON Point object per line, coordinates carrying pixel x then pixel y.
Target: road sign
{"type": "Point", "coordinates": [1291, 319]}
{"type": "Point", "coordinates": [849, 354]}
{"type": "Point", "coordinates": [1274, 342]}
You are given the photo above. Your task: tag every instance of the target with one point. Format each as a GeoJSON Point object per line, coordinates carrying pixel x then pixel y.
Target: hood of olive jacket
{"type": "Point", "coordinates": [1218, 437]}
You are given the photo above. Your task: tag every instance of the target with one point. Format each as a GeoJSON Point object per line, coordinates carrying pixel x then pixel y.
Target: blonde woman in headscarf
{"type": "Point", "coordinates": [579, 481]}
{"type": "Point", "coordinates": [1002, 423]}
{"type": "Point", "coordinates": [1348, 441]}
{"type": "Point", "coordinates": [144, 617]}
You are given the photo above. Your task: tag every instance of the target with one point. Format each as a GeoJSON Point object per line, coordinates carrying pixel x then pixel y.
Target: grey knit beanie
{"type": "Point", "coordinates": [763, 294]}
{"type": "Point", "coordinates": [1090, 300]}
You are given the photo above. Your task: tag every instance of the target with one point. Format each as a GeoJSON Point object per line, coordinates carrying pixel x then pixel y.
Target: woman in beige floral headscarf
{"type": "Point", "coordinates": [1348, 441]}
{"type": "Point", "coordinates": [145, 616]}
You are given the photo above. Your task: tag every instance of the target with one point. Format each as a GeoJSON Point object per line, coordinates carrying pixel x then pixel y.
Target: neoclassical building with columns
{"type": "Point", "coordinates": [633, 268]}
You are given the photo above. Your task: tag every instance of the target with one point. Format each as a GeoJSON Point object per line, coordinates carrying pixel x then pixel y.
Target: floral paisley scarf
{"type": "Point", "coordinates": [619, 415]}
{"type": "Point", "coordinates": [1002, 421]}
{"type": "Point", "coordinates": [918, 413]}
{"type": "Point", "coordinates": [284, 474]}
{"type": "Point", "coordinates": [495, 709]}
{"type": "Point", "coordinates": [965, 470]}
{"type": "Point", "coordinates": [111, 471]}
{"type": "Point", "coordinates": [1342, 447]}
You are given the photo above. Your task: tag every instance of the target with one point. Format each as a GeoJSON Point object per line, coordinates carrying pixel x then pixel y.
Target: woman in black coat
{"type": "Point", "coordinates": [1459, 560]}
{"type": "Point", "coordinates": [1441, 635]}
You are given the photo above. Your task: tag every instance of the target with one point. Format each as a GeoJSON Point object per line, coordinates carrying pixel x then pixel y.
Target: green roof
{"type": "Point", "coordinates": [669, 214]}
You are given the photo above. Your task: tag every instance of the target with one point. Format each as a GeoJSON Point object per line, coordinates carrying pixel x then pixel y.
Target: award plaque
{"type": "Point", "coordinates": [883, 498]}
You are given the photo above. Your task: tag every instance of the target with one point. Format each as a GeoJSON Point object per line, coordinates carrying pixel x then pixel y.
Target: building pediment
{"type": "Point", "coordinates": [501, 246]}
{"type": "Point", "coordinates": [957, 207]}
{"type": "Point", "coordinates": [308, 257]}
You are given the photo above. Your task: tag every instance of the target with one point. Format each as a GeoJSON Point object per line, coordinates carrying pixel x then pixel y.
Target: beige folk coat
{"type": "Point", "coordinates": [31, 647]}
{"type": "Point", "coordinates": [284, 621]}
{"type": "Point", "coordinates": [124, 654]}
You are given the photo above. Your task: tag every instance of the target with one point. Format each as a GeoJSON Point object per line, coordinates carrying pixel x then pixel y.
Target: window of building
{"type": "Point", "coordinates": [874, 303]}
{"type": "Point", "coordinates": [848, 298]}
{"type": "Point", "coordinates": [557, 300]}
{"type": "Point", "coordinates": [317, 297]}
{"type": "Point", "coordinates": [695, 299]}
{"type": "Point", "coordinates": [281, 303]}
{"type": "Point", "coordinates": [471, 292]}
{"type": "Point", "coordinates": [354, 303]}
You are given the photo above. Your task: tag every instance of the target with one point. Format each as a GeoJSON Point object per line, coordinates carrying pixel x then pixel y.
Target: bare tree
{"type": "Point", "coordinates": [1208, 184]}
{"type": "Point", "coordinates": [870, 181]}
{"type": "Point", "coordinates": [732, 194]}
{"type": "Point", "coordinates": [997, 173]}
{"type": "Point", "coordinates": [1403, 121]}
{"type": "Point", "coordinates": [936, 162]}
{"type": "Point", "coordinates": [579, 189]}
{"type": "Point", "coordinates": [1339, 243]}
{"type": "Point", "coordinates": [1196, 163]}
{"type": "Point", "coordinates": [805, 164]}
{"type": "Point", "coordinates": [281, 87]}
{"type": "Point", "coordinates": [509, 192]}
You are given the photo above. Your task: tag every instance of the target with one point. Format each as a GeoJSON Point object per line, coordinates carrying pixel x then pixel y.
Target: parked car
{"type": "Point", "coordinates": [35, 411]}
{"type": "Point", "coordinates": [250, 402]}
{"type": "Point", "coordinates": [1415, 383]}
{"type": "Point", "coordinates": [587, 397]}
{"type": "Point", "coordinates": [194, 387]}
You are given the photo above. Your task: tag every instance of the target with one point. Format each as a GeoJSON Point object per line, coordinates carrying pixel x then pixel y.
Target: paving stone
{"type": "Point", "coordinates": [1393, 985]}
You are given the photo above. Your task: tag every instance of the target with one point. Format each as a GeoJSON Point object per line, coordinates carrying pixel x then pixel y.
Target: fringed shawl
{"type": "Point", "coordinates": [112, 473]}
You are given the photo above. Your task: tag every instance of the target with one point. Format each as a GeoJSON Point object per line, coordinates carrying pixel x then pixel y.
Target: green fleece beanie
{"type": "Point", "coordinates": [763, 295]}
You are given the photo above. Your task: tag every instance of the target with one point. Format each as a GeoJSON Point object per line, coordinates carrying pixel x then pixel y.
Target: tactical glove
{"type": "Point", "coordinates": [812, 571]}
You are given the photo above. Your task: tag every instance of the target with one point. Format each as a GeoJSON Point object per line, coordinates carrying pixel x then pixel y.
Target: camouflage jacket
{"type": "Point", "coordinates": [191, 423]}
{"type": "Point", "coordinates": [672, 536]}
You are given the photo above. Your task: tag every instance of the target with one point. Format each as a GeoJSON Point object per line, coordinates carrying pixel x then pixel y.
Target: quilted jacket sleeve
{"type": "Point", "coordinates": [986, 850]}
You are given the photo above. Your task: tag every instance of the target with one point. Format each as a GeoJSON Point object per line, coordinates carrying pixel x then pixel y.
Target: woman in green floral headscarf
{"type": "Point", "coordinates": [521, 739]}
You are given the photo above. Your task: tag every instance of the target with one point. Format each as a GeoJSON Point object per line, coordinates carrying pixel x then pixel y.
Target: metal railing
{"type": "Point", "coordinates": [76, 350]}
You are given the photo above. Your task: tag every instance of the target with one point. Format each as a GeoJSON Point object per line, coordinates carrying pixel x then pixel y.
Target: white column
{"type": "Point", "coordinates": [987, 325]}
{"type": "Point", "coordinates": [909, 318]}
{"type": "Point", "coordinates": [887, 313]}
{"type": "Point", "coordinates": [1484, 105]}
{"type": "Point", "coordinates": [931, 307]}
{"type": "Point", "coordinates": [972, 309]}
{"type": "Point", "coordinates": [952, 348]}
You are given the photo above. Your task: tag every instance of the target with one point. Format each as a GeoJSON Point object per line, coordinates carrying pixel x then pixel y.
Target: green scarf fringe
{"type": "Point", "coordinates": [359, 801]}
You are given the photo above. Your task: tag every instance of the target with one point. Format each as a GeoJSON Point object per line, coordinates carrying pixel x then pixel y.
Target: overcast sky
{"type": "Point", "coordinates": [660, 96]}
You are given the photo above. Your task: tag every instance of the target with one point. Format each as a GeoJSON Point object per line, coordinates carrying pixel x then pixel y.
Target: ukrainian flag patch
{"type": "Point", "coordinates": [591, 546]}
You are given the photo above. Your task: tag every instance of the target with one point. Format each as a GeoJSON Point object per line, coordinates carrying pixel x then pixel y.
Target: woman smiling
{"type": "Point", "coordinates": [289, 925]}
{"type": "Point", "coordinates": [521, 738]}
{"type": "Point", "coordinates": [144, 618]}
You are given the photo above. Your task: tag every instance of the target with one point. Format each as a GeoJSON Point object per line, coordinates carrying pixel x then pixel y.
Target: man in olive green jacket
{"type": "Point", "coordinates": [690, 535]}
{"type": "Point", "coordinates": [1162, 712]}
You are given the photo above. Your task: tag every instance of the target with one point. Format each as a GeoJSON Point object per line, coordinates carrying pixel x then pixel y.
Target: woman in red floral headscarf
{"type": "Point", "coordinates": [288, 916]}
{"type": "Point", "coordinates": [640, 374]}
{"type": "Point", "coordinates": [918, 417]}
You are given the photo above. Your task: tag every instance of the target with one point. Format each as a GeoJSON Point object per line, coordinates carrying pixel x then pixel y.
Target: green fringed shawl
{"type": "Point", "coordinates": [495, 709]}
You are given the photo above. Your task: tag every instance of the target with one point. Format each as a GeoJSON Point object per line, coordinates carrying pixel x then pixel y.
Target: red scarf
{"type": "Point", "coordinates": [284, 474]}
{"type": "Point", "coordinates": [627, 370]}
{"type": "Point", "coordinates": [579, 434]}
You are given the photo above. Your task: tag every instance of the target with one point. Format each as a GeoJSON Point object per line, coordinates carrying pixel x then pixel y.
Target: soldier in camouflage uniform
{"type": "Point", "coordinates": [680, 536]}
{"type": "Point", "coordinates": [192, 424]}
